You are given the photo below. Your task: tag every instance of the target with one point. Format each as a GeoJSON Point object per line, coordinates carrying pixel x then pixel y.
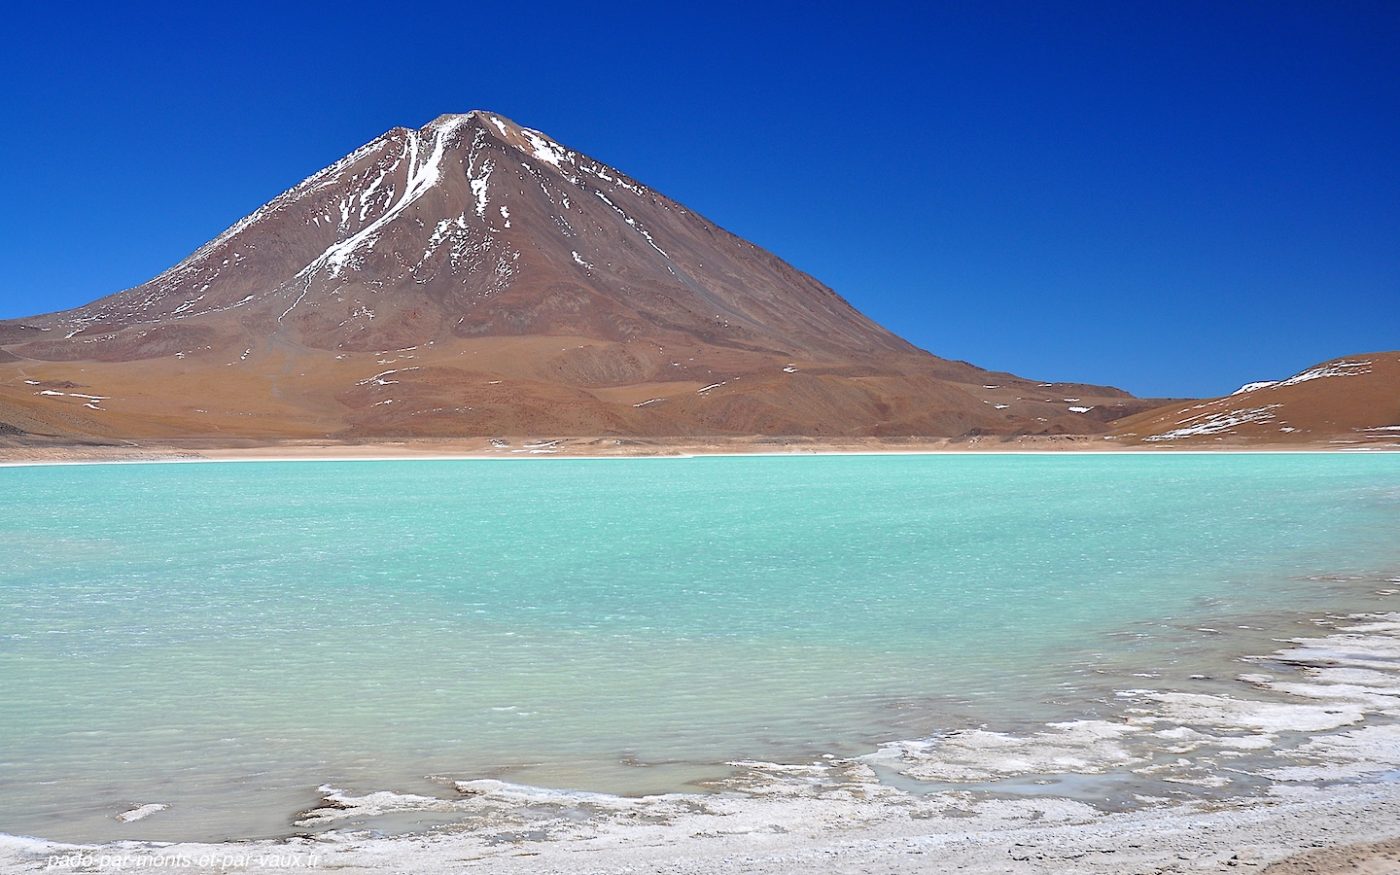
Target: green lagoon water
{"type": "Point", "coordinates": [224, 638]}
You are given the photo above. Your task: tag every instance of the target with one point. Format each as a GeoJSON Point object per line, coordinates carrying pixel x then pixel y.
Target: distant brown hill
{"type": "Point", "coordinates": [473, 277]}
{"type": "Point", "coordinates": [1342, 402]}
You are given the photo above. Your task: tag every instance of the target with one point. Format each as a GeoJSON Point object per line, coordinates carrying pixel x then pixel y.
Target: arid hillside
{"type": "Point", "coordinates": [1343, 402]}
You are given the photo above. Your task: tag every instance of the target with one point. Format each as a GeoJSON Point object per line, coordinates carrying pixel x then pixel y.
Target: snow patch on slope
{"type": "Point", "coordinates": [1343, 368]}
{"type": "Point", "coordinates": [1216, 423]}
{"type": "Point", "coordinates": [1334, 369]}
{"type": "Point", "coordinates": [423, 174]}
{"type": "Point", "coordinates": [1254, 387]}
{"type": "Point", "coordinates": [546, 149]}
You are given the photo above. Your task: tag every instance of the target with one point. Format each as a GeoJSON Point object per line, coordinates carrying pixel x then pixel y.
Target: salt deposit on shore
{"type": "Point", "coordinates": [1313, 729]}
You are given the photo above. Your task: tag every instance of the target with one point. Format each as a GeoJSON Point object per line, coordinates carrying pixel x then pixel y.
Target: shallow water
{"type": "Point", "coordinates": [224, 638]}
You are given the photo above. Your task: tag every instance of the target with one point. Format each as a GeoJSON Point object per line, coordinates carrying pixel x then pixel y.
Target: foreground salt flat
{"type": "Point", "coordinates": [1183, 841]}
{"type": "Point", "coordinates": [1326, 717]}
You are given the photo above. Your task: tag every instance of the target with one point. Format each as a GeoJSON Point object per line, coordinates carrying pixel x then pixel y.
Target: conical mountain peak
{"type": "Point", "coordinates": [539, 290]}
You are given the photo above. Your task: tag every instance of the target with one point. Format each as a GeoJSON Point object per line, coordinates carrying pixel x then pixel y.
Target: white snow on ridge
{"type": "Point", "coordinates": [633, 223]}
{"type": "Point", "coordinates": [1342, 368]}
{"type": "Point", "coordinates": [423, 174]}
{"type": "Point", "coordinates": [202, 257]}
{"type": "Point", "coordinates": [1215, 423]}
{"type": "Point", "coordinates": [613, 176]}
{"type": "Point", "coordinates": [318, 180]}
{"type": "Point", "coordinates": [479, 187]}
{"type": "Point", "coordinates": [545, 148]}
{"type": "Point", "coordinates": [1254, 387]}
{"type": "Point", "coordinates": [366, 196]}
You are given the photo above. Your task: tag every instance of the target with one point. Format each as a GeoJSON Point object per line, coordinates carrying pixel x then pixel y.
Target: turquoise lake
{"type": "Point", "coordinates": [223, 638]}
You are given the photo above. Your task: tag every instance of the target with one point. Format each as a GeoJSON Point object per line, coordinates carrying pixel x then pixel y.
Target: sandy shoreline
{"type": "Point", "coordinates": [607, 448]}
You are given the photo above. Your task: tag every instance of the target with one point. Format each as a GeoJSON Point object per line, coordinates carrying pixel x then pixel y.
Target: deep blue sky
{"type": "Point", "coordinates": [1170, 197]}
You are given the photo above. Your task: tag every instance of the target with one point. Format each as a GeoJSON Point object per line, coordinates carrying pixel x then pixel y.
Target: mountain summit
{"type": "Point", "coordinates": [476, 277]}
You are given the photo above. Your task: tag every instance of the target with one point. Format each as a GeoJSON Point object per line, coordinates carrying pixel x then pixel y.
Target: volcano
{"type": "Point", "coordinates": [474, 277]}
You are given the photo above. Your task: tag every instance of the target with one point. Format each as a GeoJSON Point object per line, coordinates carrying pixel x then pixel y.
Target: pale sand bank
{"type": "Point", "coordinates": [1379, 858]}
{"type": "Point", "coordinates": [611, 447]}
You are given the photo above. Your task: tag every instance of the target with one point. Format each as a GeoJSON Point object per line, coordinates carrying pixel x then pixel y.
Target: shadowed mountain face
{"type": "Point", "coordinates": [474, 277]}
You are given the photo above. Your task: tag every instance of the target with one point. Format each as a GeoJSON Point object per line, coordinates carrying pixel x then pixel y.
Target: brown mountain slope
{"type": "Point", "coordinates": [1345, 401]}
{"type": "Point", "coordinates": [474, 277]}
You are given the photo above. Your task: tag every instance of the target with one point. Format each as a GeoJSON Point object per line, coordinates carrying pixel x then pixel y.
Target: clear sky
{"type": "Point", "coordinates": [1174, 198]}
